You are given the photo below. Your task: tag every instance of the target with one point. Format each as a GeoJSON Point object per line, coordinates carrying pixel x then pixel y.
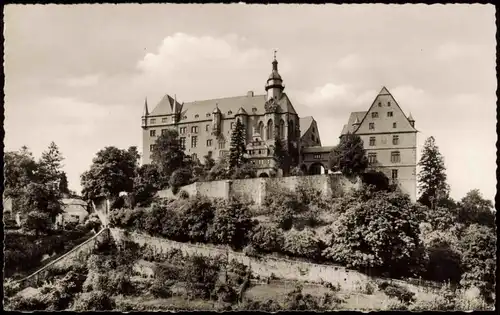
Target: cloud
{"type": "Point", "coordinates": [451, 51]}
{"type": "Point", "coordinates": [85, 81]}
{"type": "Point", "coordinates": [185, 64]}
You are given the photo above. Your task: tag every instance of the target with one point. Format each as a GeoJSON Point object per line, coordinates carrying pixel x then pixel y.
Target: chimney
{"type": "Point", "coordinates": [250, 94]}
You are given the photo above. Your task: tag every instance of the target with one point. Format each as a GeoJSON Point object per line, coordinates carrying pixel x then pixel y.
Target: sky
{"type": "Point", "coordinates": [78, 75]}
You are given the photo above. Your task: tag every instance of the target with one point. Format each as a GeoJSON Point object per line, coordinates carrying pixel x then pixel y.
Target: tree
{"type": "Point", "coordinates": [41, 198]}
{"type": "Point", "coordinates": [220, 170]}
{"type": "Point", "coordinates": [112, 171]}
{"type": "Point", "coordinates": [246, 170]}
{"type": "Point", "coordinates": [380, 233]}
{"type": "Point", "coordinates": [478, 246]}
{"type": "Point", "coordinates": [63, 184]}
{"type": "Point", "coordinates": [432, 176]}
{"type": "Point", "coordinates": [20, 169]}
{"type": "Point", "coordinates": [474, 209]}
{"type": "Point", "coordinates": [208, 162]}
{"type": "Point", "coordinates": [167, 154]}
{"type": "Point", "coordinates": [36, 221]}
{"type": "Point", "coordinates": [238, 146]}
{"type": "Point", "coordinates": [180, 177]}
{"type": "Point", "coordinates": [146, 183]}
{"type": "Point", "coordinates": [232, 224]}
{"type": "Point", "coordinates": [281, 155]}
{"type": "Point", "coordinates": [50, 165]}
{"type": "Point", "coordinates": [349, 156]}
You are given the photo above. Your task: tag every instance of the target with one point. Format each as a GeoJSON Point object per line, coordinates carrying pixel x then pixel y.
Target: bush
{"type": "Point", "coordinates": [93, 301]}
{"type": "Point", "coordinates": [399, 292]}
{"type": "Point", "coordinates": [302, 244]}
{"type": "Point", "coordinates": [161, 289]}
{"type": "Point", "coordinates": [232, 224]}
{"type": "Point", "coordinates": [198, 214]}
{"type": "Point", "coordinates": [266, 306]}
{"type": "Point", "coordinates": [225, 293]}
{"type": "Point", "coordinates": [179, 178]}
{"type": "Point", "coordinates": [200, 275]}
{"type": "Point", "coordinates": [295, 300]}
{"type": "Point", "coordinates": [183, 194]}
{"type": "Point", "coordinates": [267, 238]}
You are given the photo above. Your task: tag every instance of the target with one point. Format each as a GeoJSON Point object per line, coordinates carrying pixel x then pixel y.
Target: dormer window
{"type": "Point", "coordinates": [229, 112]}
{"type": "Point", "coordinates": [196, 116]}
{"type": "Point", "coordinates": [389, 104]}
{"type": "Point", "coordinates": [379, 104]}
{"type": "Point", "coordinates": [254, 109]}
{"type": "Point", "coordinates": [185, 117]}
{"type": "Point", "coordinates": [208, 114]}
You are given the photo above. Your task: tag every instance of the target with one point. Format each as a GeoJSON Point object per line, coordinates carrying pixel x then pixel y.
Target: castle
{"type": "Point", "coordinates": [205, 128]}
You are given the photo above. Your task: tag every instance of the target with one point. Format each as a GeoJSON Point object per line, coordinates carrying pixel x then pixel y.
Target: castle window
{"type": "Point", "coordinates": [254, 109]}
{"type": "Point", "coordinates": [164, 120]}
{"type": "Point", "coordinates": [194, 141]}
{"type": "Point", "coordinates": [182, 130]}
{"type": "Point", "coordinates": [312, 138]}
{"type": "Point", "coordinates": [209, 142]}
{"type": "Point", "coordinates": [395, 140]}
{"type": "Point", "coordinates": [229, 112]}
{"type": "Point", "coordinates": [153, 121]}
{"type": "Point", "coordinates": [207, 127]}
{"type": "Point", "coordinates": [394, 125]}
{"type": "Point", "coordinates": [208, 114]}
{"type": "Point", "coordinates": [395, 157]}
{"type": "Point", "coordinates": [152, 133]}
{"type": "Point", "coordinates": [388, 103]}
{"type": "Point", "coordinates": [389, 114]}
{"type": "Point", "coordinates": [372, 158]}
{"type": "Point", "coordinates": [394, 174]}
{"type": "Point", "coordinates": [151, 147]}
{"type": "Point", "coordinates": [375, 115]}
{"type": "Point", "coordinates": [163, 132]}
{"type": "Point", "coordinates": [194, 156]}
{"type": "Point", "coordinates": [379, 104]}
{"type": "Point", "coordinates": [182, 143]}
{"type": "Point", "coordinates": [281, 129]}
{"type": "Point", "coordinates": [194, 129]}
{"type": "Point", "coordinates": [196, 116]}
{"type": "Point", "coordinates": [185, 117]}
{"type": "Point", "coordinates": [270, 126]}
{"type": "Point", "coordinates": [372, 141]}
{"type": "Point", "coordinates": [371, 126]}
{"type": "Point", "coordinates": [221, 144]}
{"type": "Point", "coordinates": [317, 156]}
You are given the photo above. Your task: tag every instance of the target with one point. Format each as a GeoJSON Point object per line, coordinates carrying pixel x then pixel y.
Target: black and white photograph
{"type": "Point", "coordinates": [249, 157]}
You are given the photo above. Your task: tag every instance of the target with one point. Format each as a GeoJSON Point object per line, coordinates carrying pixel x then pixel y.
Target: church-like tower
{"type": "Point", "coordinates": [274, 85]}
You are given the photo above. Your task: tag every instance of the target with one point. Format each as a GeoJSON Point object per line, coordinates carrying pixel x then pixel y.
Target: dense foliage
{"type": "Point", "coordinates": [432, 176]}
{"type": "Point", "coordinates": [381, 233]}
{"type": "Point", "coordinates": [237, 151]}
{"type": "Point", "coordinates": [112, 171]}
{"type": "Point", "coordinates": [349, 156]}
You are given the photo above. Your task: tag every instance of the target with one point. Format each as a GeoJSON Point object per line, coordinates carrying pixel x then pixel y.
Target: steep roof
{"type": "Point", "coordinates": [352, 119]}
{"type": "Point", "coordinates": [305, 124]}
{"type": "Point", "coordinates": [229, 106]}
{"type": "Point", "coordinates": [75, 206]}
{"type": "Point", "coordinates": [164, 107]}
{"type": "Point", "coordinates": [317, 149]}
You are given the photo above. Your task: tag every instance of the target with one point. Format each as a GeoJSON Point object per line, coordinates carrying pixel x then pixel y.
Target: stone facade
{"type": "Point", "coordinates": [256, 189]}
{"type": "Point", "coordinates": [390, 140]}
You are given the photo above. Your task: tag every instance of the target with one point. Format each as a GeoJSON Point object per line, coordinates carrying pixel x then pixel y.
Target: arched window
{"type": "Point", "coordinates": [269, 130]}
{"type": "Point", "coordinates": [260, 129]}
{"type": "Point", "coordinates": [282, 129]}
{"type": "Point", "coordinates": [291, 129]}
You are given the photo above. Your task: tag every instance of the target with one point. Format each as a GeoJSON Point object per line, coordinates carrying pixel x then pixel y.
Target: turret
{"type": "Point", "coordinates": [411, 120]}
{"type": "Point", "coordinates": [274, 85]}
{"type": "Point", "coordinates": [145, 114]}
{"type": "Point", "coordinates": [216, 120]}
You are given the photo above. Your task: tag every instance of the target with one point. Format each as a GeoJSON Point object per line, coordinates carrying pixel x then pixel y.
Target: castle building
{"type": "Point", "coordinates": [390, 140]}
{"type": "Point", "coordinates": [205, 128]}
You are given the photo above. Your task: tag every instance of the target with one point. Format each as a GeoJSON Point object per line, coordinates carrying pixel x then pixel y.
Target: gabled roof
{"type": "Point", "coordinates": [350, 128]}
{"type": "Point", "coordinates": [229, 106]}
{"type": "Point", "coordinates": [164, 107]}
{"type": "Point", "coordinates": [305, 124]}
{"type": "Point", "coordinates": [75, 206]}
{"type": "Point", "coordinates": [317, 149]}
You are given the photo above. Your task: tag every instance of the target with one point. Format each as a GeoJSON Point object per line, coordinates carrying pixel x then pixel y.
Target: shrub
{"type": "Point", "coordinates": [302, 244]}
{"type": "Point", "coordinates": [183, 194]}
{"type": "Point", "coordinates": [400, 293]}
{"type": "Point", "coordinates": [200, 275]}
{"type": "Point", "coordinates": [295, 300]}
{"type": "Point", "coordinates": [265, 306]}
{"type": "Point", "coordinates": [267, 238]}
{"type": "Point", "coordinates": [179, 178]}
{"type": "Point", "coordinates": [93, 223]}
{"type": "Point", "coordinates": [232, 224]}
{"type": "Point", "coordinates": [225, 293]}
{"type": "Point", "coordinates": [161, 289]}
{"type": "Point", "coordinates": [93, 301]}
{"type": "Point", "coordinates": [197, 215]}
{"type": "Point", "coordinates": [250, 251]}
